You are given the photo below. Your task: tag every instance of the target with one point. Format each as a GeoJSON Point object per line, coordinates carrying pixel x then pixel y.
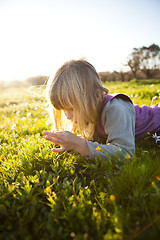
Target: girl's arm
{"type": "Point", "coordinates": [118, 119]}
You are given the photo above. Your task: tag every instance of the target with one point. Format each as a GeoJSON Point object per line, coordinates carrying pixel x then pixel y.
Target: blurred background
{"type": "Point", "coordinates": [38, 36]}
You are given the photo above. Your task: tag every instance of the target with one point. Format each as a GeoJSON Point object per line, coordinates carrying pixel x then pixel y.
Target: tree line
{"type": "Point", "coordinates": [144, 63]}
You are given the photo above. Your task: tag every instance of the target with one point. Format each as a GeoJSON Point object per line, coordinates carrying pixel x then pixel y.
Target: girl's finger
{"type": "Point", "coordinates": [51, 134]}
{"type": "Point", "coordinates": [54, 140]}
{"type": "Point", "coordinates": [59, 150]}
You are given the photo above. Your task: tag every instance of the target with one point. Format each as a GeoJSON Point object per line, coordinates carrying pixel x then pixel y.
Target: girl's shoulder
{"type": "Point", "coordinates": [122, 96]}
{"type": "Point", "coordinates": [119, 103]}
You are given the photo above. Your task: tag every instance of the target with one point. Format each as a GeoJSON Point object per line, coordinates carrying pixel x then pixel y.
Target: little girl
{"type": "Point", "coordinates": [77, 91]}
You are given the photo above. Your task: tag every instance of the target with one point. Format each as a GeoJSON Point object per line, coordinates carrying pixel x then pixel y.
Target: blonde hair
{"type": "Point", "coordinates": [76, 85]}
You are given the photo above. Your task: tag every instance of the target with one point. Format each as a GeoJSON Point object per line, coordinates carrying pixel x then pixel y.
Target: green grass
{"type": "Point", "coordinates": [44, 195]}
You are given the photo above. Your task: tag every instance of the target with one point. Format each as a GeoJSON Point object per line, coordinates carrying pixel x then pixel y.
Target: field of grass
{"type": "Point", "coordinates": [46, 196]}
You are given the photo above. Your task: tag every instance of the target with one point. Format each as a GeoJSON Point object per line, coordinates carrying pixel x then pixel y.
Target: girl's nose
{"type": "Point", "coordinates": [69, 114]}
{"type": "Point", "coordinates": [69, 117]}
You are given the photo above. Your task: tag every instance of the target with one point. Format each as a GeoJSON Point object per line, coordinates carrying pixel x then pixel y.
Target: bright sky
{"type": "Point", "coordinates": [38, 36]}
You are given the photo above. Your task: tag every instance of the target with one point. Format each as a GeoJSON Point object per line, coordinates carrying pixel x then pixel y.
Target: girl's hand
{"type": "Point", "coordinates": [67, 141]}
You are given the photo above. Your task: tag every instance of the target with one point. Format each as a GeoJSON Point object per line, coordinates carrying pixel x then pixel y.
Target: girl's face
{"type": "Point", "coordinates": [69, 114]}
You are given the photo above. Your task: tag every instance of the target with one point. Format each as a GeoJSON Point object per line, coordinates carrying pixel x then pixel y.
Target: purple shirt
{"type": "Point", "coordinates": [147, 118]}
